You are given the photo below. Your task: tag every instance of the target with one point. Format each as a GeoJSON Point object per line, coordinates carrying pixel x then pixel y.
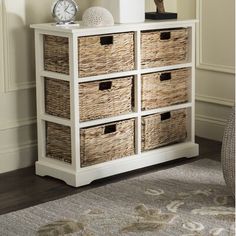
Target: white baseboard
{"type": "Point", "coordinates": [17, 158]}
{"type": "Point", "coordinates": [210, 127]}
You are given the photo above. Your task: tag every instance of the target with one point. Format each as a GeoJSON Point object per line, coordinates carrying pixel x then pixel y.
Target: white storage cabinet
{"type": "Point", "coordinates": [145, 131]}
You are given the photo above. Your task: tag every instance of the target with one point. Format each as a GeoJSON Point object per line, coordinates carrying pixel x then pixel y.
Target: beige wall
{"type": "Point", "coordinates": [215, 63]}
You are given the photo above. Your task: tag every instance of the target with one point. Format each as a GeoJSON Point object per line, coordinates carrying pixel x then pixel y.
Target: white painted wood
{"type": "Point", "coordinates": [173, 67]}
{"type": "Point", "coordinates": [107, 76]}
{"type": "Point", "coordinates": [56, 171]}
{"type": "Point", "coordinates": [108, 120]}
{"type": "Point", "coordinates": [138, 88]}
{"type": "Point", "coordinates": [73, 174]}
{"type": "Point", "coordinates": [54, 75]}
{"type": "Point", "coordinates": [84, 30]}
{"type": "Point", "coordinates": [74, 102]}
{"type": "Point", "coordinates": [39, 94]}
{"type": "Point", "coordinates": [165, 109]}
{"type": "Point", "coordinates": [61, 121]}
{"type": "Point", "coordinates": [86, 175]}
{"type": "Point", "coordinates": [192, 86]}
{"type": "Point", "coordinates": [50, 161]}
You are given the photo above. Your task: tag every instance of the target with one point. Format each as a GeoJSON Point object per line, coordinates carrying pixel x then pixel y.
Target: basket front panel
{"type": "Point", "coordinates": [157, 52]}
{"type": "Point", "coordinates": [57, 98]}
{"type": "Point", "coordinates": [157, 93]}
{"type": "Point", "coordinates": [58, 142]}
{"type": "Point", "coordinates": [157, 132]}
{"type": "Point", "coordinates": [56, 54]}
{"type": "Point", "coordinates": [100, 147]}
{"type": "Point", "coordinates": [97, 59]}
{"type": "Point", "coordinates": [151, 126]}
{"type": "Point", "coordinates": [97, 103]}
{"type": "Point", "coordinates": [174, 129]}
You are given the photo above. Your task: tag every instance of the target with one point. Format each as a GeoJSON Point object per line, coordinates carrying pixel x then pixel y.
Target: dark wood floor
{"type": "Point", "coordinates": [22, 188]}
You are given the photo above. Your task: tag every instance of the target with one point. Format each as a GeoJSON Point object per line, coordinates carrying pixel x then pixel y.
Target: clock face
{"type": "Point", "coordinates": [64, 11]}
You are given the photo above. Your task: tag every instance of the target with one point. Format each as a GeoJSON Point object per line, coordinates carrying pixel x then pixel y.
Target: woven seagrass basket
{"type": "Point", "coordinates": [164, 47]}
{"type": "Point", "coordinates": [57, 98]}
{"type": "Point", "coordinates": [105, 98]}
{"type": "Point", "coordinates": [106, 142]}
{"type": "Point", "coordinates": [163, 129]}
{"type": "Point", "coordinates": [165, 88]}
{"type": "Point", "coordinates": [58, 142]}
{"type": "Point", "coordinates": [97, 100]}
{"type": "Point", "coordinates": [99, 54]}
{"type": "Point", "coordinates": [56, 54]}
{"type": "Point", "coordinates": [104, 54]}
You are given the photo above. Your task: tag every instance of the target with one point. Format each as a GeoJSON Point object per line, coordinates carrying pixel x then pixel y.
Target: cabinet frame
{"type": "Point", "coordinates": [72, 173]}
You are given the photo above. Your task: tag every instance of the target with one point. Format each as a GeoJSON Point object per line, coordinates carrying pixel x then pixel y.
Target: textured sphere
{"type": "Point", "coordinates": [97, 16]}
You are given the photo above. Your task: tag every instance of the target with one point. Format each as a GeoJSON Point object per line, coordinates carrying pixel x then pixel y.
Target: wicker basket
{"type": "Point", "coordinates": [99, 54]}
{"type": "Point", "coordinates": [164, 47]}
{"type": "Point", "coordinates": [58, 142]}
{"type": "Point", "coordinates": [104, 54]}
{"type": "Point", "coordinates": [105, 98]}
{"type": "Point", "coordinates": [106, 142]}
{"type": "Point", "coordinates": [98, 99]}
{"type": "Point", "coordinates": [165, 88]}
{"type": "Point", "coordinates": [162, 129]}
{"type": "Point", "coordinates": [56, 54]}
{"type": "Point", "coordinates": [57, 98]}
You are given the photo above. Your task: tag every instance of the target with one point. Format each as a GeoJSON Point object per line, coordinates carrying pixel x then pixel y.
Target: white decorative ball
{"type": "Point", "coordinates": [97, 16]}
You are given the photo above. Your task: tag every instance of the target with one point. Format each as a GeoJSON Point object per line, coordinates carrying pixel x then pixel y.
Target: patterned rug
{"type": "Point", "coordinates": [187, 200]}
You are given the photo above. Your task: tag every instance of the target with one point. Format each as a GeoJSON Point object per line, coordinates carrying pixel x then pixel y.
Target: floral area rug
{"type": "Point", "coordinates": [187, 200]}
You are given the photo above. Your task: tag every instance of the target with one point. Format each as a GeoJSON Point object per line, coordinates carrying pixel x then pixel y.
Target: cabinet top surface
{"type": "Point", "coordinates": [148, 24]}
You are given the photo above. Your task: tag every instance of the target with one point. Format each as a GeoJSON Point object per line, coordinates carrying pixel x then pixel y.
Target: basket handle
{"type": "Point", "coordinates": [165, 116]}
{"type": "Point", "coordinates": [110, 129]}
{"type": "Point", "coordinates": [165, 76]}
{"type": "Point", "coordinates": [106, 40]}
{"type": "Point", "coordinates": [165, 35]}
{"type": "Point", "coordinates": [105, 85]}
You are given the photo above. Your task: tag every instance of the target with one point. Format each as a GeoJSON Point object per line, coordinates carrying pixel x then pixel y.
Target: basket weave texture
{"type": "Point", "coordinates": [106, 142]}
{"type": "Point", "coordinates": [105, 98]}
{"type": "Point", "coordinates": [58, 142]}
{"type": "Point", "coordinates": [162, 129]}
{"type": "Point", "coordinates": [165, 88]}
{"type": "Point", "coordinates": [56, 54]}
{"type": "Point", "coordinates": [228, 153]}
{"type": "Point", "coordinates": [115, 55]}
{"type": "Point", "coordinates": [101, 54]}
{"type": "Point", "coordinates": [98, 99]}
{"type": "Point", "coordinates": [57, 98]}
{"type": "Point", "coordinates": [165, 47]}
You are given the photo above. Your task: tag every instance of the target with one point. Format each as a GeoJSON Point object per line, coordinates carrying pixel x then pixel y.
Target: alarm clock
{"type": "Point", "coordinates": [64, 11]}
